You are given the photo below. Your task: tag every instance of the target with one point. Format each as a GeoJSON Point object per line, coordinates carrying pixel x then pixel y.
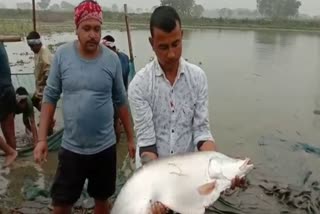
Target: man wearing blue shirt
{"type": "Point", "coordinates": [89, 76]}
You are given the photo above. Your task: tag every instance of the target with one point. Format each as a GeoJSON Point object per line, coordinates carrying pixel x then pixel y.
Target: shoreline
{"type": "Point", "coordinates": [13, 27]}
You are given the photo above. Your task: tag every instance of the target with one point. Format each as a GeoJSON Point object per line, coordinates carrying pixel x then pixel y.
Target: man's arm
{"type": "Point", "coordinates": [120, 101]}
{"type": "Point", "coordinates": [142, 116]}
{"type": "Point", "coordinates": [33, 129]}
{"type": "Point", "coordinates": [201, 127]}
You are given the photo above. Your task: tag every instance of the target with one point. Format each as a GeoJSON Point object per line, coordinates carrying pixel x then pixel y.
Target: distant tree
{"type": "Point", "coordinates": [131, 10]}
{"type": "Point", "coordinates": [139, 10]}
{"type": "Point", "coordinates": [225, 13]}
{"type": "Point", "coordinates": [54, 7]}
{"type": "Point", "coordinates": [184, 7]}
{"type": "Point", "coordinates": [115, 8]}
{"type": "Point", "coordinates": [197, 10]}
{"type": "Point", "coordinates": [278, 8]}
{"type": "Point", "coordinates": [44, 4]}
{"type": "Point", "coordinates": [154, 7]}
{"type": "Point", "coordinates": [24, 5]}
{"type": "Point", "coordinates": [291, 8]}
{"type": "Point", "coordinates": [66, 6]}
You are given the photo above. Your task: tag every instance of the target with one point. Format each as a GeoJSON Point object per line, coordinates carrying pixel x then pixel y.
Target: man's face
{"type": "Point", "coordinates": [89, 35]}
{"type": "Point", "coordinates": [167, 46]}
{"type": "Point", "coordinates": [35, 48]}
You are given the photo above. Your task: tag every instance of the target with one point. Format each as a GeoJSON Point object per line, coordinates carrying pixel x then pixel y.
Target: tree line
{"type": "Point", "coordinates": [189, 8]}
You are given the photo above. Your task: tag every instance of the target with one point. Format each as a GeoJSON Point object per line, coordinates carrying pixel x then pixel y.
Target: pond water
{"type": "Point", "coordinates": [264, 93]}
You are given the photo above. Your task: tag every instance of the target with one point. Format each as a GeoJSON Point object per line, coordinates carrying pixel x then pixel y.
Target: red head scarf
{"type": "Point", "coordinates": [88, 9]}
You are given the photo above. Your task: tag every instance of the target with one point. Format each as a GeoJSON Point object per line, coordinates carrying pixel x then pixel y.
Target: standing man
{"type": "Point", "coordinates": [169, 98]}
{"type": "Point", "coordinates": [109, 42]}
{"type": "Point", "coordinates": [42, 59]}
{"type": "Point", "coordinates": [7, 109]}
{"type": "Point", "coordinates": [89, 75]}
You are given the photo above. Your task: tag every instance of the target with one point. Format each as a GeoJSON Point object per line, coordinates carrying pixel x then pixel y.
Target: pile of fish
{"type": "Point", "coordinates": [186, 184]}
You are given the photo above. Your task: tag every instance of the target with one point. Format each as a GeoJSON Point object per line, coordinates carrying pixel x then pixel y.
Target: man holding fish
{"type": "Point", "coordinates": [169, 98]}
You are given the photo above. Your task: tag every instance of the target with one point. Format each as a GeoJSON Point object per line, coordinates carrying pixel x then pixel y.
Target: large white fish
{"type": "Point", "coordinates": [186, 184]}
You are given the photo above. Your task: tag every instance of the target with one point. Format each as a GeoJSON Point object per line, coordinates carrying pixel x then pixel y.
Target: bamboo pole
{"type": "Point", "coordinates": [34, 15]}
{"type": "Point", "coordinates": [132, 67]}
{"type": "Point", "coordinates": [128, 32]}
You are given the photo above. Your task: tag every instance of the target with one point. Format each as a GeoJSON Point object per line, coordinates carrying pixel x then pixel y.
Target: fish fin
{"type": "Point", "coordinates": [207, 188]}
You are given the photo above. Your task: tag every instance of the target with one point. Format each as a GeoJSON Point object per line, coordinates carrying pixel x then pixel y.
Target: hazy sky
{"type": "Point", "coordinates": [311, 7]}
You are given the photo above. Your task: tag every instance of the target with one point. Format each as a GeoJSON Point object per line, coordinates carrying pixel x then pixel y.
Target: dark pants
{"type": "Point", "coordinates": [7, 101]}
{"type": "Point", "coordinates": [74, 169]}
{"type": "Point", "coordinates": [171, 212]}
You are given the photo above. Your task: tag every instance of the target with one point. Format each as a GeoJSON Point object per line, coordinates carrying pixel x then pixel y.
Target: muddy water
{"type": "Point", "coordinates": [264, 90]}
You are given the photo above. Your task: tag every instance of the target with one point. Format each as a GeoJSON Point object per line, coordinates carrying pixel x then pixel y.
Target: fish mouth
{"type": "Point", "coordinates": [246, 166]}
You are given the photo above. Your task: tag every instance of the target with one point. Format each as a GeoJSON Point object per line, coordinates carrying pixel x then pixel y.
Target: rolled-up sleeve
{"type": "Point", "coordinates": [142, 114]}
{"type": "Point", "coordinates": [119, 94]}
{"type": "Point", "coordinates": [53, 87]}
{"type": "Point", "coordinates": [201, 126]}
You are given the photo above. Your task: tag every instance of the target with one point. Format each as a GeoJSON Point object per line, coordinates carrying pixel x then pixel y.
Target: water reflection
{"type": "Point", "coordinates": [265, 37]}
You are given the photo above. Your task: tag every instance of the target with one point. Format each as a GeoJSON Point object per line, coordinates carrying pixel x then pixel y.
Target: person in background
{"type": "Point", "coordinates": [42, 59]}
{"type": "Point", "coordinates": [109, 42]}
{"type": "Point", "coordinates": [24, 106]}
{"type": "Point", "coordinates": [169, 99]}
{"type": "Point", "coordinates": [7, 107]}
{"type": "Point", "coordinates": [89, 75]}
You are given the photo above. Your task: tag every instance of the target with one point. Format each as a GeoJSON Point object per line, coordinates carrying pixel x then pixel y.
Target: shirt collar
{"type": "Point", "coordinates": [160, 72]}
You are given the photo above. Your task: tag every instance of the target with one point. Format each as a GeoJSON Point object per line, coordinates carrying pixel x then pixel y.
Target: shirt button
{"type": "Point", "coordinates": [171, 152]}
{"type": "Point", "coordinates": [172, 130]}
{"type": "Point", "coordinates": [173, 111]}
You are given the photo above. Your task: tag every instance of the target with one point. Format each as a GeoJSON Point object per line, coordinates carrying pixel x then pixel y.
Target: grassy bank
{"type": "Point", "coordinates": [19, 22]}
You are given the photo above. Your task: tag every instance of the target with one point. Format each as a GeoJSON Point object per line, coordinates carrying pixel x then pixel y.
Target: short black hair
{"type": "Point", "coordinates": [33, 35]}
{"type": "Point", "coordinates": [109, 38]}
{"type": "Point", "coordinates": [164, 18]}
{"type": "Point", "coordinates": [22, 91]}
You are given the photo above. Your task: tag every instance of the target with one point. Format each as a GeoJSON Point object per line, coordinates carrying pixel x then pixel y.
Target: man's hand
{"type": "Point", "coordinates": [158, 208]}
{"type": "Point", "coordinates": [238, 182]}
{"type": "Point", "coordinates": [125, 118]}
{"type": "Point", "coordinates": [146, 157]}
{"type": "Point", "coordinates": [131, 149]}
{"type": "Point", "coordinates": [40, 153]}
{"type": "Point", "coordinates": [208, 146]}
